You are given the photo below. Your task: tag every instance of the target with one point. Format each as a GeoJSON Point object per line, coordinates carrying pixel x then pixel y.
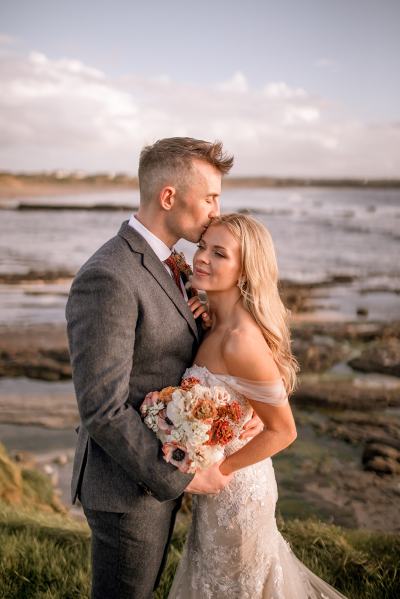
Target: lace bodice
{"type": "Point", "coordinates": [234, 548]}
{"type": "Point", "coordinates": [240, 390]}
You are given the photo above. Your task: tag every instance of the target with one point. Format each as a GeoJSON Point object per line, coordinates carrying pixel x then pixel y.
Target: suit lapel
{"type": "Point", "coordinates": [156, 268]}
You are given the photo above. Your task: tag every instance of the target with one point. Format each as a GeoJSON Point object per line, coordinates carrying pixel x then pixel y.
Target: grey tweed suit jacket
{"type": "Point", "coordinates": [130, 331]}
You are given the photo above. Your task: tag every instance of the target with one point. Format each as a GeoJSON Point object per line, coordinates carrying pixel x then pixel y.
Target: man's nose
{"type": "Point", "coordinates": [215, 211]}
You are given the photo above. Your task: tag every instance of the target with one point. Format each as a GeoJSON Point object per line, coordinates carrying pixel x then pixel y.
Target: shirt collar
{"type": "Point", "coordinates": [161, 250]}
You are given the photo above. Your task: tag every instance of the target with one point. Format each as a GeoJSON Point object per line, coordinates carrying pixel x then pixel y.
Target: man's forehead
{"type": "Point", "coordinates": [205, 170]}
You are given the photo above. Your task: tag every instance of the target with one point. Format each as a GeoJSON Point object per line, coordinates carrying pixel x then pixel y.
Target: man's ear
{"type": "Point", "coordinates": [167, 197]}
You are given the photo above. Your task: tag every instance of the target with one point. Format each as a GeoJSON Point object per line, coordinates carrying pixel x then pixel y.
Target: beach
{"type": "Point", "coordinates": [340, 278]}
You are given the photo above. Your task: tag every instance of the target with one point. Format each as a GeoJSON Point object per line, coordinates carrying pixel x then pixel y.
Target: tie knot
{"type": "Point", "coordinates": [171, 261]}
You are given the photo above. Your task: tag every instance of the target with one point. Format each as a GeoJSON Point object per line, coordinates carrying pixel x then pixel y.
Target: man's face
{"type": "Point", "coordinates": [194, 208]}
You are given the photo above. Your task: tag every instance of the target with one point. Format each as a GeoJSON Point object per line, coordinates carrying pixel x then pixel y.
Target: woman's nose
{"type": "Point", "coordinates": [204, 258]}
{"type": "Point", "coordinates": [201, 256]}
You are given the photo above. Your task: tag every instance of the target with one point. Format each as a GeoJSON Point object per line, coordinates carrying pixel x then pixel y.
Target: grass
{"type": "Point", "coordinates": [361, 564]}
{"type": "Point", "coordinates": [42, 555]}
{"type": "Point", "coordinates": [46, 556]}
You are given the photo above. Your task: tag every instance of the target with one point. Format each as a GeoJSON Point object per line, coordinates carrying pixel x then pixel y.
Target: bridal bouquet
{"type": "Point", "coordinates": [193, 423]}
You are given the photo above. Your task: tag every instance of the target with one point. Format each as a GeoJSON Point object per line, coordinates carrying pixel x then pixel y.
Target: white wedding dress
{"type": "Point", "coordinates": [234, 549]}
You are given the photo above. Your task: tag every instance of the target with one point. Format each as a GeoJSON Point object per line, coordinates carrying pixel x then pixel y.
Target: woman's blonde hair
{"type": "Point", "coordinates": [258, 284]}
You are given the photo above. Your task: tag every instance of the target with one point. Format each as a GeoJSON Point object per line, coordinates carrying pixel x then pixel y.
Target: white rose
{"type": "Point", "coordinates": [175, 409]}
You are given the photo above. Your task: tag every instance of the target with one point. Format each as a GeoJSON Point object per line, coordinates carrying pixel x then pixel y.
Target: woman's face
{"type": "Point", "coordinates": [216, 263]}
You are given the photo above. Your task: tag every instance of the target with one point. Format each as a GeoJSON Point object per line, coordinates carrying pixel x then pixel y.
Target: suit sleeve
{"type": "Point", "coordinates": [101, 314]}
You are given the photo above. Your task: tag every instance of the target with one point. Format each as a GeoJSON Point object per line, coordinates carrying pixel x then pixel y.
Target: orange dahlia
{"type": "Point", "coordinates": [233, 411]}
{"type": "Point", "coordinates": [204, 410]}
{"type": "Point", "coordinates": [166, 394]}
{"type": "Point", "coordinates": [221, 432]}
{"type": "Point", "coordinates": [189, 382]}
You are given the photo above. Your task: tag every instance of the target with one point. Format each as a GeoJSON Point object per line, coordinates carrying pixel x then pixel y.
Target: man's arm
{"type": "Point", "coordinates": [102, 314]}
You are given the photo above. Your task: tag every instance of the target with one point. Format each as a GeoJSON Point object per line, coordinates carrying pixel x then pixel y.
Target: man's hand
{"type": "Point", "coordinates": [208, 482]}
{"type": "Point", "coordinates": [252, 428]}
{"type": "Point", "coordinates": [200, 308]}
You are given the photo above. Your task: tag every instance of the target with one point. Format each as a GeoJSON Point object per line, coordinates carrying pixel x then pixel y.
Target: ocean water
{"type": "Point", "coordinates": [319, 233]}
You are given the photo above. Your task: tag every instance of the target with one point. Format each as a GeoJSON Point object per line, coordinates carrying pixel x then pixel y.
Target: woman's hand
{"type": "Point", "coordinates": [252, 428]}
{"type": "Point", "coordinates": [200, 308]}
{"type": "Point", "coordinates": [225, 469]}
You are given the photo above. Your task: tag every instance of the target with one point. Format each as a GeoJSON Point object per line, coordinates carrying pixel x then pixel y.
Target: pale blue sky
{"type": "Point", "coordinates": [306, 87]}
{"type": "Point", "coordinates": [206, 41]}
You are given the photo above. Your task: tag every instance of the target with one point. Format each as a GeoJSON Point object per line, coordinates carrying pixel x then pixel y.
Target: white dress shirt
{"type": "Point", "coordinates": [161, 250]}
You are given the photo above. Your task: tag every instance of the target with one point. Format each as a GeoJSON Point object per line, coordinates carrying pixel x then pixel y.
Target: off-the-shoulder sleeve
{"type": "Point", "coordinates": [273, 393]}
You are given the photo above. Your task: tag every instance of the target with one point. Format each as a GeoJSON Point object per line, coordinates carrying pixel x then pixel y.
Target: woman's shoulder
{"type": "Point", "coordinates": [247, 355]}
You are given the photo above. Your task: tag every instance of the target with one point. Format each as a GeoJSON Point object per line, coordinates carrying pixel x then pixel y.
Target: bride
{"type": "Point", "coordinates": [234, 548]}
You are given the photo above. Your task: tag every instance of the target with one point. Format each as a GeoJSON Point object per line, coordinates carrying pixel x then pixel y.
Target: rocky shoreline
{"type": "Point", "coordinates": [348, 396]}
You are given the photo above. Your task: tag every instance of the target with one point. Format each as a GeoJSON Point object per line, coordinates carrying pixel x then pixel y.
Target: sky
{"type": "Point", "coordinates": [295, 88]}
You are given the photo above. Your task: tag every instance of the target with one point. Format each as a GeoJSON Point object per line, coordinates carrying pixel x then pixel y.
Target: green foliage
{"type": "Point", "coordinates": [26, 487]}
{"type": "Point", "coordinates": [37, 489]}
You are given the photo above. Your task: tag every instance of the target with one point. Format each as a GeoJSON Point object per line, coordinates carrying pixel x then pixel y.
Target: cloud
{"type": "Point", "coordinates": [66, 114]}
{"type": "Point", "coordinates": [237, 84]}
{"type": "Point", "coordinates": [280, 89]}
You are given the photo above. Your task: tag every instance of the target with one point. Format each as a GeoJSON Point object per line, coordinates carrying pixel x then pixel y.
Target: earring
{"type": "Point", "coordinates": [241, 282]}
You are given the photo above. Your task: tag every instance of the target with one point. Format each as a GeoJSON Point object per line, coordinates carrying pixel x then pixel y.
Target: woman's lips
{"type": "Point", "coordinates": [200, 273]}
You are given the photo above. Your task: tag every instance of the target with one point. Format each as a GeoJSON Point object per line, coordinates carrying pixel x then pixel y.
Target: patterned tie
{"type": "Point", "coordinates": [171, 262]}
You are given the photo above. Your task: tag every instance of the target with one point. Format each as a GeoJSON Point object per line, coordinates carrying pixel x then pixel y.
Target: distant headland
{"type": "Point", "coordinates": [21, 184]}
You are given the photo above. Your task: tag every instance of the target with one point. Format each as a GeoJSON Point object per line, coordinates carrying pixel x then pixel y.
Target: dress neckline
{"type": "Point", "coordinates": [210, 372]}
{"type": "Point", "coordinates": [236, 378]}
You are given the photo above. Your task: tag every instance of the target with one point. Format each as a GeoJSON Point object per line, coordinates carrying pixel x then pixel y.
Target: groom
{"type": "Point", "coordinates": [131, 331]}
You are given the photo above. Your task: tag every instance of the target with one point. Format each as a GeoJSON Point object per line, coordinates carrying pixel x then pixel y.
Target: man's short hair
{"type": "Point", "coordinates": [169, 162]}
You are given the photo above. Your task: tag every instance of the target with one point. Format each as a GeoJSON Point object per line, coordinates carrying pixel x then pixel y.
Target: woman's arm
{"type": "Point", "coordinates": [250, 358]}
{"type": "Point", "coordinates": [279, 432]}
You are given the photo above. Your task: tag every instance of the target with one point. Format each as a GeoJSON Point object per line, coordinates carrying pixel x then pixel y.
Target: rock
{"type": "Point", "coordinates": [47, 365]}
{"type": "Point", "coordinates": [319, 353]}
{"type": "Point", "coordinates": [34, 351]}
{"type": "Point", "coordinates": [295, 296]}
{"type": "Point", "coordinates": [383, 465]}
{"type": "Point", "coordinates": [378, 434]}
{"type": "Point", "coordinates": [36, 276]}
{"type": "Point", "coordinates": [363, 331]}
{"type": "Point", "coordinates": [372, 450]}
{"type": "Point", "coordinates": [51, 473]}
{"type": "Point", "coordinates": [46, 404]}
{"type": "Point", "coordinates": [25, 459]}
{"type": "Point", "coordinates": [344, 394]}
{"type": "Point", "coordinates": [382, 356]}
{"type": "Point", "coordinates": [61, 459]}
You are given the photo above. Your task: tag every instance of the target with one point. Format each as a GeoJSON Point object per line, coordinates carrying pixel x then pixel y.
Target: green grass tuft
{"type": "Point", "coordinates": [42, 555]}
